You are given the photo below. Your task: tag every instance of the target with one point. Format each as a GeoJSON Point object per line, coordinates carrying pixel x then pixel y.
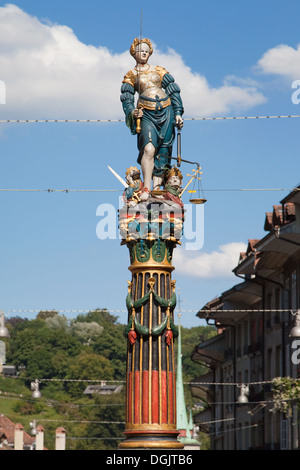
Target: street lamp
{"type": "Point", "coordinates": [33, 429]}
{"type": "Point", "coordinates": [4, 333]}
{"type": "Point", "coordinates": [242, 398]}
{"type": "Point", "coordinates": [35, 388]}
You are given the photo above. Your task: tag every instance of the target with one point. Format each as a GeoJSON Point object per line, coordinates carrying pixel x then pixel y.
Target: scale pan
{"type": "Point", "coordinates": [158, 192]}
{"type": "Point", "coordinates": [198, 201]}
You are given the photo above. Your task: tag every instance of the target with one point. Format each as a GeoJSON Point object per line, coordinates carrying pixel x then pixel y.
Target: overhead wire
{"type": "Point", "coordinates": [70, 190]}
{"type": "Point", "coordinates": [54, 403]}
{"type": "Point", "coordinates": [107, 405]}
{"type": "Point", "coordinates": [51, 190]}
{"type": "Point", "coordinates": [192, 383]}
{"type": "Point", "coordinates": [227, 118]}
{"type": "Point", "coordinates": [200, 118]}
{"type": "Point", "coordinates": [95, 438]}
{"type": "Point", "coordinates": [116, 190]}
{"type": "Point", "coordinates": [210, 422]}
{"type": "Point", "coordinates": [236, 429]}
{"type": "Point", "coordinates": [203, 118]}
{"type": "Point", "coordinates": [208, 311]}
{"type": "Point", "coordinates": [42, 420]}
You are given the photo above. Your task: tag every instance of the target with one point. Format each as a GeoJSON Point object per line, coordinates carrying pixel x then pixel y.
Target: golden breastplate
{"type": "Point", "coordinates": [148, 84]}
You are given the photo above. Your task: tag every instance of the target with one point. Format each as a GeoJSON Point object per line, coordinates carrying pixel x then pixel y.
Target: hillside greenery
{"type": "Point", "coordinates": [66, 356]}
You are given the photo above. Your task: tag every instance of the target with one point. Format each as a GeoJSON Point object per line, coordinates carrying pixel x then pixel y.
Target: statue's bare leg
{"type": "Point", "coordinates": [157, 182]}
{"type": "Point", "coordinates": [147, 165]}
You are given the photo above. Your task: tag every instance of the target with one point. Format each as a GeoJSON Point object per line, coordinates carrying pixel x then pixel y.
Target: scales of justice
{"type": "Point", "coordinates": [151, 225]}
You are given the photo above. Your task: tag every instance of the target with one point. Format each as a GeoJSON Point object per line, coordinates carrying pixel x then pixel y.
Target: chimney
{"type": "Point", "coordinates": [19, 435]}
{"type": "Point", "coordinates": [39, 440]}
{"type": "Point", "coordinates": [60, 441]}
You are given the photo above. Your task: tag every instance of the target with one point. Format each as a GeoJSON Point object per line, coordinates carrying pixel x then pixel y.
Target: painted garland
{"type": "Point", "coordinates": [134, 326]}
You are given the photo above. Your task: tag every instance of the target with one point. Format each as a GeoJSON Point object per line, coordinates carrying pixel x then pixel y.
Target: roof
{"type": "Point", "coordinates": [8, 428]}
{"type": "Point", "coordinates": [263, 258]}
{"type": "Point", "coordinates": [241, 296]}
{"type": "Point", "coordinates": [280, 225]}
{"type": "Point", "coordinates": [102, 389]}
{"type": "Point", "coordinates": [281, 215]}
{"type": "Point", "coordinates": [201, 387]}
{"type": "Point", "coordinates": [210, 351]}
{"type": "Point", "coordinates": [271, 253]}
{"type": "Point", "coordinates": [293, 196]}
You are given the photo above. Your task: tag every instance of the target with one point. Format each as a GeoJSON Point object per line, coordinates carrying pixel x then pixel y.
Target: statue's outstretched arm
{"type": "Point", "coordinates": [173, 91]}
{"type": "Point", "coordinates": [127, 100]}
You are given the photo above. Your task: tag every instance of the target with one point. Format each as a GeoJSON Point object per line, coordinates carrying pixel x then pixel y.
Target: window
{"type": "Point", "coordinates": [269, 364]}
{"type": "Point", "coordinates": [277, 315]}
{"type": "Point", "coordinates": [286, 299]}
{"type": "Point", "coordinates": [253, 332]}
{"type": "Point", "coordinates": [294, 291]}
{"type": "Point", "coordinates": [260, 329]}
{"type": "Point", "coordinates": [284, 434]}
{"type": "Point", "coordinates": [278, 363]}
{"type": "Point", "coordinates": [268, 308]}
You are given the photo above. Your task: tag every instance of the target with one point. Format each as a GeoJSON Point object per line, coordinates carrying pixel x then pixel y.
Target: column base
{"type": "Point", "coordinates": [151, 440]}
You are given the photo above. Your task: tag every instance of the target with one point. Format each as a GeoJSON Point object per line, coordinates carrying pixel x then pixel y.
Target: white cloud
{"type": "Point", "coordinates": [49, 73]}
{"type": "Point", "coordinates": [202, 100]}
{"type": "Point", "coordinates": [215, 265]}
{"type": "Point", "coordinates": [281, 60]}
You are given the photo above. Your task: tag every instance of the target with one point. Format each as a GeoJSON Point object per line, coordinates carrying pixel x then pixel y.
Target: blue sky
{"type": "Point", "coordinates": [66, 60]}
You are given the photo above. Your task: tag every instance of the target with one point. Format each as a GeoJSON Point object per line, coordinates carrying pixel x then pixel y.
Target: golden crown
{"type": "Point", "coordinates": [174, 172]}
{"type": "Point", "coordinates": [138, 41]}
{"type": "Point", "coordinates": [132, 169]}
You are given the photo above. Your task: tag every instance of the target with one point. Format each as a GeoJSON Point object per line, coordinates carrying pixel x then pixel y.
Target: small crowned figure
{"type": "Point", "coordinates": [135, 186]}
{"type": "Point", "coordinates": [173, 186]}
{"type": "Point", "coordinates": [158, 111]}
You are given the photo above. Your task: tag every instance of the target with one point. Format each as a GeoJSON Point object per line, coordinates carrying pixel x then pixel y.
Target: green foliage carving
{"type": "Point", "coordinates": [137, 304]}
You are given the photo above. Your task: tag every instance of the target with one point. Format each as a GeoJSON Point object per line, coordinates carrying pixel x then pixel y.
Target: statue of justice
{"type": "Point", "coordinates": [158, 111]}
{"type": "Point", "coordinates": [151, 226]}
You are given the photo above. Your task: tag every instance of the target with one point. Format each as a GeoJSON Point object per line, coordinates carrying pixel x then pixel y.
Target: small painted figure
{"type": "Point", "coordinates": [172, 186]}
{"type": "Point", "coordinates": [132, 193]}
{"type": "Point", "coordinates": [159, 109]}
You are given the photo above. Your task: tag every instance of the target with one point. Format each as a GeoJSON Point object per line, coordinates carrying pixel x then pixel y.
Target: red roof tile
{"type": "Point", "coordinates": [8, 427]}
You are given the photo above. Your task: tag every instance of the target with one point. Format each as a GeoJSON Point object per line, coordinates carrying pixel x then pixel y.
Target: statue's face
{"type": "Point", "coordinates": [174, 180]}
{"type": "Point", "coordinates": [142, 53]}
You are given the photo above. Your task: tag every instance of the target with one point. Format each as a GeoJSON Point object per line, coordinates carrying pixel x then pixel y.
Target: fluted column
{"type": "Point", "coordinates": [150, 377]}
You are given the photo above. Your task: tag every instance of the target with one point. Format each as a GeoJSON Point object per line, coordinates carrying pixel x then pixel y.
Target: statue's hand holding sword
{"type": "Point", "coordinates": [179, 125]}
{"type": "Point", "coordinates": [138, 114]}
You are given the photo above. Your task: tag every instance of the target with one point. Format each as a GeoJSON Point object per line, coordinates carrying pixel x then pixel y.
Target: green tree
{"type": "Point", "coordinates": [111, 343]}
{"type": "Point", "coordinates": [73, 354]}
{"type": "Point", "coordinates": [99, 316]}
{"type": "Point", "coordinates": [190, 338]}
{"type": "Point", "coordinates": [109, 421]}
{"type": "Point", "coordinates": [45, 314]}
{"type": "Point", "coordinates": [88, 366]}
{"type": "Point", "coordinates": [35, 345]}
{"type": "Point", "coordinates": [113, 346]}
{"type": "Point", "coordinates": [86, 332]}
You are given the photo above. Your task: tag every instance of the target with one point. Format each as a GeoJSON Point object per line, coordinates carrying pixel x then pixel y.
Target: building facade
{"type": "Point", "coordinates": [186, 428]}
{"type": "Point", "coordinates": [254, 345]}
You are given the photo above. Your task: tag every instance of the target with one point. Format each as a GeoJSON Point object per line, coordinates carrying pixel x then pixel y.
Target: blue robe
{"type": "Point", "coordinates": [157, 126]}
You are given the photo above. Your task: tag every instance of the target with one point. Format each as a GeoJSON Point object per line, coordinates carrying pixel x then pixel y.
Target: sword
{"type": "Point", "coordinates": [178, 147]}
{"type": "Point", "coordinates": [182, 160]}
{"type": "Point", "coordinates": [118, 177]}
{"type": "Point", "coordinates": [138, 121]}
